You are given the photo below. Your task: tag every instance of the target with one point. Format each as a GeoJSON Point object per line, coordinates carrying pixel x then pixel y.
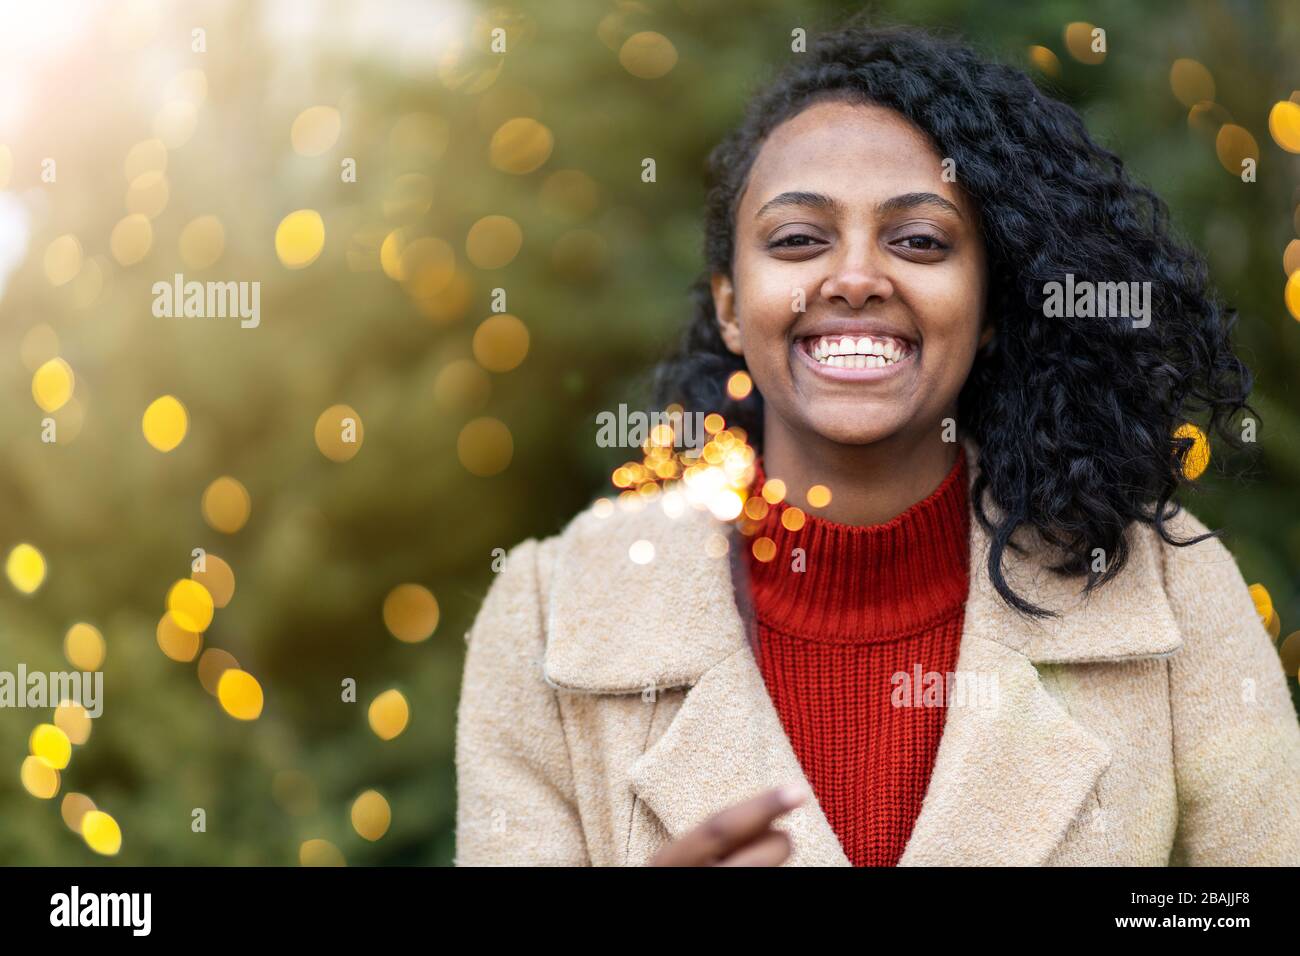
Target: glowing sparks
{"type": "Point", "coordinates": [715, 478]}
{"type": "Point", "coordinates": [819, 496]}
{"type": "Point", "coordinates": [642, 551]}
{"type": "Point", "coordinates": [793, 519]}
{"type": "Point", "coordinates": [740, 385]}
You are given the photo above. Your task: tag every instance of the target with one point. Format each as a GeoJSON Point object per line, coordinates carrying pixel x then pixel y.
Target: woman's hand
{"type": "Point", "coordinates": [741, 835]}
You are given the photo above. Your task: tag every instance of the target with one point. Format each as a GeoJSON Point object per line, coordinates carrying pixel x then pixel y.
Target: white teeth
{"type": "Point", "coordinates": [850, 352]}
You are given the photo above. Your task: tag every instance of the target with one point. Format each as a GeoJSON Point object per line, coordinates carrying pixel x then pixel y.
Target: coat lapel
{"type": "Point", "coordinates": [725, 745]}
{"type": "Point", "coordinates": [1012, 771]}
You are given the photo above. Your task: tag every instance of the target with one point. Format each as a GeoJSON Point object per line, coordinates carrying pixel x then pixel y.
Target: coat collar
{"type": "Point", "coordinates": [1008, 779]}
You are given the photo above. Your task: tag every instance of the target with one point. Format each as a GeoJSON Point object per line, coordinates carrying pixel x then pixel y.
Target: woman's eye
{"type": "Point", "coordinates": [923, 243]}
{"type": "Point", "coordinates": [793, 241]}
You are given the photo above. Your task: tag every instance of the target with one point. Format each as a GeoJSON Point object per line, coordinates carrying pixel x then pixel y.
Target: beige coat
{"type": "Point", "coordinates": [609, 706]}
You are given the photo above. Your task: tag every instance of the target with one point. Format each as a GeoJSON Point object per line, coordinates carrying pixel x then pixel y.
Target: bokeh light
{"type": "Point", "coordinates": [165, 423]}
{"type": "Point", "coordinates": [339, 433]}
{"type": "Point", "coordinates": [101, 832]}
{"type": "Point", "coordinates": [190, 605]}
{"type": "Point", "coordinates": [411, 613]}
{"type": "Point", "coordinates": [389, 714]}
{"type": "Point", "coordinates": [226, 505]}
{"type": "Point", "coordinates": [371, 815]}
{"type": "Point", "coordinates": [299, 238]}
{"type": "Point", "coordinates": [240, 694]}
{"type": "Point", "coordinates": [84, 647]}
{"type": "Point", "coordinates": [25, 568]}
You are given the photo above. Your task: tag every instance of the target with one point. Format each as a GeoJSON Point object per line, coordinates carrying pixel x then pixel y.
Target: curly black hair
{"type": "Point", "coordinates": [1074, 416]}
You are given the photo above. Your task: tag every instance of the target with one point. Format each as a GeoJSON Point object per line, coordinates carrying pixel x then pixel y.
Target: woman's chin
{"type": "Point", "coordinates": [853, 430]}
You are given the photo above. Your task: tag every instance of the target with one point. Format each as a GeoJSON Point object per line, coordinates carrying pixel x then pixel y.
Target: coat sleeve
{"type": "Point", "coordinates": [1236, 741]}
{"type": "Point", "coordinates": [516, 802]}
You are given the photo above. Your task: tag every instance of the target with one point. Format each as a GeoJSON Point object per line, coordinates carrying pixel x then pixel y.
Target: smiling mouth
{"type": "Point", "coordinates": [856, 351]}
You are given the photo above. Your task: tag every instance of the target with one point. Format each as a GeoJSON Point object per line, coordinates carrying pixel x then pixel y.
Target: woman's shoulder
{"type": "Point", "coordinates": [1193, 554]}
{"type": "Point", "coordinates": [1207, 591]}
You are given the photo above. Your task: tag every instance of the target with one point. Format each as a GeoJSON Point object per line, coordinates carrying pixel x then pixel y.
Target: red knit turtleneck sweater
{"type": "Point", "coordinates": [873, 602]}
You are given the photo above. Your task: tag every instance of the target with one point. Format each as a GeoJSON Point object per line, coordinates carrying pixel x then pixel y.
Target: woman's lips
{"type": "Point", "coordinates": [837, 357]}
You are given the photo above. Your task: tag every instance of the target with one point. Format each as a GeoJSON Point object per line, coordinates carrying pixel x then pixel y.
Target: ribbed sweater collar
{"type": "Point", "coordinates": [866, 583]}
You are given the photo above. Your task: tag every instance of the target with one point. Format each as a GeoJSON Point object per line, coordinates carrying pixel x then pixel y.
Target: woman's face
{"type": "Point", "coordinates": [848, 214]}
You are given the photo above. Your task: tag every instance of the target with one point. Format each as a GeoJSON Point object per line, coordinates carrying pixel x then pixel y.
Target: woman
{"type": "Point", "coordinates": [991, 638]}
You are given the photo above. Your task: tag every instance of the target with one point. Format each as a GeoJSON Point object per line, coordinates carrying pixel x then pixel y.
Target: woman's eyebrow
{"type": "Point", "coordinates": [909, 201]}
{"type": "Point", "coordinates": [800, 198]}
{"type": "Point", "coordinates": [906, 201]}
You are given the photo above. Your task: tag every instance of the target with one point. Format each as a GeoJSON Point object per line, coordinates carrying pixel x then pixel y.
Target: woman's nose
{"type": "Point", "coordinates": [857, 276]}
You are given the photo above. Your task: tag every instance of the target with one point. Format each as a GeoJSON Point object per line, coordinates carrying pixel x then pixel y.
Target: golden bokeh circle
{"type": "Point", "coordinates": [389, 714]}
{"type": "Point", "coordinates": [339, 433]}
{"type": "Point", "coordinates": [25, 568]}
{"type": "Point", "coordinates": [648, 55]}
{"type": "Point", "coordinates": [240, 694]}
{"type": "Point", "coordinates": [84, 647]}
{"type": "Point", "coordinates": [411, 613]}
{"type": "Point", "coordinates": [520, 145]}
{"type": "Point", "coordinates": [493, 242]}
{"type": "Point", "coordinates": [202, 242]}
{"type": "Point", "coordinates": [218, 577]}
{"type": "Point", "coordinates": [131, 239]}
{"type": "Point", "coordinates": [299, 238]}
{"type": "Point", "coordinates": [371, 815]}
{"type": "Point", "coordinates": [101, 832]}
{"type": "Point", "coordinates": [53, 384]}
{"type": "Point", "coordinates": [500, 343]}
{"type": "Point", "coordinates": [176, 642]}
{"type": "Point", "coordinates": [315, 130]}
{"type": "Point", "coordinates": [165, 423]}
{"type": "Point", "coordinates": [226, 505]}
{"type": "Point", "coordinates": [212, 664]}
{"type": "Point", "coordinates": [485, 447]}
{"type": "Point", "coordinates": [190, 605]}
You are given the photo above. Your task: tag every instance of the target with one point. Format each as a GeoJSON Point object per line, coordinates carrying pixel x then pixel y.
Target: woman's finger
{"type": "Point", "coordinates": [770, 849]}
{"type": "Point", "coordinates": [728, 830]}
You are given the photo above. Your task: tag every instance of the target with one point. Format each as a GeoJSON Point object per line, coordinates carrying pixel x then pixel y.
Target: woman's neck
{"type": "Point", "coordinates": [869, 484]}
